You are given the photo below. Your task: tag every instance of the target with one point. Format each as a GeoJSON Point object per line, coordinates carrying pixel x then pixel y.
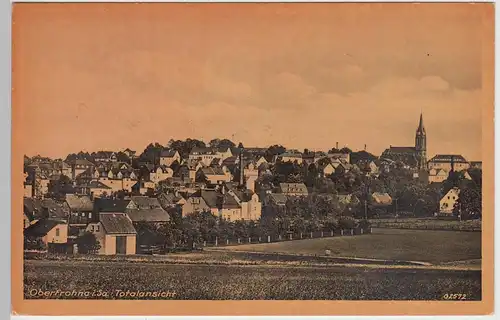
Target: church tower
{"type": "Point", "coordinates": [421, 144]}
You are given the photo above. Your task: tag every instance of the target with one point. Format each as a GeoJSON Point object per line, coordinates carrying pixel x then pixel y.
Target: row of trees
{"type": "Point", "coordinates": [205, 227]}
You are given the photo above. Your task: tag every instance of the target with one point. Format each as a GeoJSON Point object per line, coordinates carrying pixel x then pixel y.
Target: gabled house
{"type": "Point", "coordinates": [343, 167]}
{"type": "Point", "coordinates": [51, 232]}
{"type": "Point", "coordinates": [251, 174]}
{"type": "Point", "coordinates": [48, 209]}
{"type": "Point", "coordinates": [63, 168]}
{"type": "Point", "coordinates": [105, 156]}
{"type": "Point", "coordinates": [115, 232]}
{"type": "Point", "coordinates": [80, 165]}
{"type": "Point", "coordinates": [170, 200]}
{"type": "Point", "coordinates": [119, 180]}
{"type": "Point", "coordinates": [129, 153]}
{"type": "Point", "coordinates": [278, 199]}
{"type": "Point", "coordinates": [81, 210]}
{"type": "Point", "coordinates": [143, 187]}
{"type": "Point", "coordinates": [342, 156]}
{"type": "Point", "coordinates": [213, 200]}
{"type": "Point", "coordinates": [325, 168]}
{"type": "Point", "coordinates": [94, 188]}
{"type": "Point", "coordinates": [230, 209]}
{"type": "Point", "coordinates": [33, 210]}
{"type": "Point", "coordinates": [447, 203]}
{"type": "Point", "coordinates": [214, 175]}
{"type": "Point", "coordinates": [205, 155]}
{"type": "Point", "coordinates": [160, 173]}
{"type": "Point", "coordinates": [141, 208]}
{"type": "Point", "coordinates": [223, 153]}
{"type": "Point", "coordinates": [348, 199]}
{"type": "Point", "coordinates": [448, 162]}
{"type": "Point", "coordinates": [290, 157]}
{"type": "Point", "coordinates": [380, 199]}
{"type": "Point", "coordinates": [368, 167]}
{"type": "Point", "coordinates": [251, 207]}
{"type": "Point", "coordinates": [167, 157]}
{"type": "Point", "coordinates": [260, 160]}
{"type": "Point", "coordinates": [293, 189]}
{"type": "Point", "coordinates": [191, 167]}
{"type": "Point", "coordinates": [194, 203]}
{"type": "Point", "coordinates": [103, 205]}
{"type": "Point", "coordinates": [437, 175]}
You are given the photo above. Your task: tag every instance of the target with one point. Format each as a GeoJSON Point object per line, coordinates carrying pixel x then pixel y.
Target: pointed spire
{"type": "Point", "coordinates": [421, 127]}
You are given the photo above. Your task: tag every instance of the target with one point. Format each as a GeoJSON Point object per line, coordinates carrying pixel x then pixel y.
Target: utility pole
{"type": "Point", "coordinates": [460, 211]}
{"type": "Point", "coordinates": [366, 210]}
{"type": "Point", "coordinates": [396, 213]}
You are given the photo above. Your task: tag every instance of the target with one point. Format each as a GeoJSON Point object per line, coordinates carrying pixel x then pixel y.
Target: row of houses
{"type": "Point", "coordinates": [60, 223]}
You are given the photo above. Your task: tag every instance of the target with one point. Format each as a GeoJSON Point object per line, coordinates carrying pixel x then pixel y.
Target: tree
{"type": "Point", "coordinates": [58, 189]}
{"type": "Point", "coordinates": [214, 143]}
{"type": "Point", "coordinates": [456, 179]}
{"type": "Point", "coordinates": [274, 150]}
{"type": "Point", "coordinates": [87, 243]}
{"type": "Point", "coordinates": [240, 145]}
{"type": "Point", "coordinates": [152, 153]}
{"type": "Point", "coordinates": [469, 203]}
{"type": "Point", "coordinates": [143, 173]}
{"type": "Point", "coordinates": [226, 143]}
{"type": "Point", "coordinates": [34, 243]}
{"type": "Point", "coordinates": [122, 157]}
{"type": "Point", "coordinates": [345, 150]}
{"type": "Point", "coordinates": [362, 155]}
{"type": "Point", "coordinates": [324, 185]}
{"type": "Point", "coordinates": [185, 147]}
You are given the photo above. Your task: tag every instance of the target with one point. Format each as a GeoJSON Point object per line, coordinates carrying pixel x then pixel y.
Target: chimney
{"type": "Point", "coordinates": [241, 167]}
{"type": "Point", "coordinates": [365, 147]}
{"type": "Point", "coordinates": [337, 145]}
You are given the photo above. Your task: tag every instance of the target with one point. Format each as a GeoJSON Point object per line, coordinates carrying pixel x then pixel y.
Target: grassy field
{"type": "Point", "coordinates": [225, 282]}
{"type": "Point", "coordinates": [427, 224]}
{"type": "Point", "coordinates": [391, 244]}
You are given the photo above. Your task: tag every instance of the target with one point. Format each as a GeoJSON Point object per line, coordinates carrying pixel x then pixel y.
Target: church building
{"type": "Point", "coordinates": [413, 156]}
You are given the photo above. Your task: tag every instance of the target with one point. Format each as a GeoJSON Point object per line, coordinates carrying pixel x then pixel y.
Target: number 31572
{"type": "Point", "coordinates": [455, 296]}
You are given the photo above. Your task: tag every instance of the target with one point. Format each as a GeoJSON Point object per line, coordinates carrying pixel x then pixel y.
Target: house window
{"type": "Point", "coordinates": [57, 232]}
{"type": "Point", "coordinates": [448, 197]}
{"type": "Point", "coordinates": [90, 215]}
{"type": "Point", "coordinates": [97, 228]}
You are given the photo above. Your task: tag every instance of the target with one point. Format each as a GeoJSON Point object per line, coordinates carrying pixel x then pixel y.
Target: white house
{"type": "Point", "coordinates": [447, 203]}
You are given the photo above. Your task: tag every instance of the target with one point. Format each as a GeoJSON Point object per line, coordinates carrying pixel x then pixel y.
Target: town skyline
{"type": "Point", "coordinates": [296, 78]}
{"type": "Point", "coordinates": [208, 140]}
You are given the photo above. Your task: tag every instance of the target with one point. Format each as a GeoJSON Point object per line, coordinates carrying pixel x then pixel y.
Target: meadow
{"type": "Point", "coordinates": [226, 282]}
{"type": "Point", "coordinates": [419, 265]}
{"type": "Point", "coordinates": [427, 224]}
{"type": "Point", "coordinates": [389, 244]}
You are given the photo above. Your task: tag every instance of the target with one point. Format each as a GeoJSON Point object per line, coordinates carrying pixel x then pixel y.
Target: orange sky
{"type": "Point", "coordinates": [111, 76]}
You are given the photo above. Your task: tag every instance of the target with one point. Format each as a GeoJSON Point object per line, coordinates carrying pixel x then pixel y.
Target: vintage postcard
{"type": "Point", "coordinates": [252, 159]}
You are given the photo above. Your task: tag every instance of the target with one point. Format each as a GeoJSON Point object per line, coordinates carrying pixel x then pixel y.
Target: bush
{"type": "Point", "coordinates": [87, 243]}
{"type": "Point", "coordinates": [347, 223]}
{"type": "Point", "coordinates": [31, 243]}
{"type": "Point", "coordinates": [364, 224]}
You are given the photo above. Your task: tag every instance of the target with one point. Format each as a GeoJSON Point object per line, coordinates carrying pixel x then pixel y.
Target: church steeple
{"type": "Point", "coordinates": [421, 144]}
{"type": "Point", "coordinates": [421, 127]}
